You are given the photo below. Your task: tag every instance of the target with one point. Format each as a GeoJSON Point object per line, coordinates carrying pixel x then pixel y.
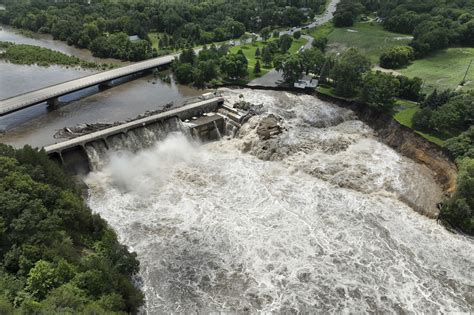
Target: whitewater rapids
{"type": "Point", "coordinates": [321, 219]}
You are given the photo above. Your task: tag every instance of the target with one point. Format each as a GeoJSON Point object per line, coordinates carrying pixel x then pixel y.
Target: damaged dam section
{"type": "Point", "coordinates": [299, 208]}
{"type": "Point", "coordinates": [205, 120]}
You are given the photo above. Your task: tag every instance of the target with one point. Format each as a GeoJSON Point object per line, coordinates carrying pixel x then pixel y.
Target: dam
{"type": "Point", "coordinates": [204, 120]}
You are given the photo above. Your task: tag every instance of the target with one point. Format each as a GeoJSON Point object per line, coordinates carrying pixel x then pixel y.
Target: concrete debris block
{"type": "Point", "coordinates": [269, 126]}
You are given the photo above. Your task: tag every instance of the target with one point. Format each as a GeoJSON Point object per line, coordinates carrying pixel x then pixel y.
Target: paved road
{"type": "Point", "coordinates": [274, 78]}
{"type": "Point", "coordinates": [21, 101]}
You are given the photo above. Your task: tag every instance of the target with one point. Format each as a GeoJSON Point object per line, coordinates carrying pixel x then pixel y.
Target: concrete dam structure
{"type": "Point", "coordinates": [205, 120]}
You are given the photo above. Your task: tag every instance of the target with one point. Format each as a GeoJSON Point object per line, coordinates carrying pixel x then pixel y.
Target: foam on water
{"type": "Point", "coordinates": [317, 230]}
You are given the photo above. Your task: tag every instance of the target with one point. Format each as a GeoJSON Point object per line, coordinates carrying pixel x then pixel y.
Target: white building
{"type": "Point", "coordinates": [306, 82]}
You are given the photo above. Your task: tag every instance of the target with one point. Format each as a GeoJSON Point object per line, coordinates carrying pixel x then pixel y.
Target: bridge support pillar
{"type": "Point", "coordinates": [53, 102]}
{"type": "Point", "coordinates": [105, 85]}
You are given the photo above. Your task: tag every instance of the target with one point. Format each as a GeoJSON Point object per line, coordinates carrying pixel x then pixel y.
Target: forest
{"type": "Point", "coordinates": [105, 26]}
{"type": "Point", "coordinates": [56, 256]}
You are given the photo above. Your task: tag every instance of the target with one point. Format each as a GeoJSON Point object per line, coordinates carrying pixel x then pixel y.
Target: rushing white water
{"type": "Point", "coordinates": [316, 225]}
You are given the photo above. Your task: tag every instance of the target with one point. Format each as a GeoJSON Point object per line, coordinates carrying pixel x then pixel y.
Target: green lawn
{"type": "Point", "coordinates": [443, 70]}
{"type": "Point", "coordinates": [154, 37]}
{"type": "Point", "coordinates": [249, 52]}
{"type": "Point", "coordinates": [370, 38]}
{"type": "Point", "coordinates": [321, 31]}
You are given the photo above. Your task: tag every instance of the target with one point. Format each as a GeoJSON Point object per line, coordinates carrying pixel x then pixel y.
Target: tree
{"type": "Point", "coordinates": [421, 120]}
{"type": "Point", "coordinates": [276, 34]}
{"type": "Point", "coordinates": [379, 90]}
{"type": "Point", "coordinates": [265, 33]}
{"type": "Point", "coordinates": [187, 56]}
{"type": "Point", "coordinates": [291, 66]}
{"type": "Point", "coordinates": [320, 43]}
{"type": "Point", "coordinates": [208, 69]}
{"type": "Point", "coordinates": [257, 69]}
{"type": "Point", "coordinates": [257, 53]}
{"type": "Point", "coordinates": [313, 60]}
{"type": "Point", "coordinates": [244, 39]}
{"type": "Point", "coordinates": [343, 19]}
{"type": "Point", "coordinates": [184, 73]}
{"type": "Point", "coordinates": [234, 66]}
{"type": "Point", "coordinates": [436, 99]}
{"type": "Point", "coordinates": [284, 42]}
{"type": "Point", "coordinates": [267, 56]}
{"type": "Point", "coordinates": [410, 89]}
{"type": "Point", "coordinates": [396, 57]}
{"type": "Point", "coordinates": [459, 210]}
{"type": "Point", "coordinates": [462, 145]}
{"type": "Point", "coordinates": [347, 72]}
{"type": "Point", "coordinates": [297, 35]}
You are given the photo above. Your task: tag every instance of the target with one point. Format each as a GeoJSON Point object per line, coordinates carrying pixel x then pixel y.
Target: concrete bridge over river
{"type": "Point", "coordinates": [52, 93]}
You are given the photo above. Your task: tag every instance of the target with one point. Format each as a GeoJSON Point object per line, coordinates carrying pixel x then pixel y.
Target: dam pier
{"type": "Point", "coordinates": [205, 120]}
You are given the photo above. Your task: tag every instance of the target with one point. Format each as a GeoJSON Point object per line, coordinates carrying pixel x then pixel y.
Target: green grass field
{"type": "Point", "coordinates": [444, 70]}
{"type": "Point", "coordinates": [370, 38]}
{"type": "Point", "coordinates": [154, 37]}
{"type": "Point", "coordinates": [249, 52]}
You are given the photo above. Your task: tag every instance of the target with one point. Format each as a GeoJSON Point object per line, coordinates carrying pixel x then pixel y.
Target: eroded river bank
{"type": "Point", "coordinates": [317, 218]}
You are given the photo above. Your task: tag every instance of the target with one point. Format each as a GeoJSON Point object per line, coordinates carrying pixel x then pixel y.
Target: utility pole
{"type": "Point", "coordinates": [465, 75]}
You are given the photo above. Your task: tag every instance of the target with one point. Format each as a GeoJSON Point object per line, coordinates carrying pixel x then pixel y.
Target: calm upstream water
{"type": "Point", "coordinates": [9, 34]}
{"type": "Point", "coordinates": [37, 125]}
{"type": "Point", "coordinates": [315, 221]}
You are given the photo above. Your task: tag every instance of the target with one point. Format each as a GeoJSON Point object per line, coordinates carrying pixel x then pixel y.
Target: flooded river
{"type": "Point", "coordinates": [37, 125]}
{"type": "Point", "coordinates": [316, 221]}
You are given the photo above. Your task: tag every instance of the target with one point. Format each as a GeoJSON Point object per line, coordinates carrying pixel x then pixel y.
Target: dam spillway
{"type": "Point", "coordinates": [204, 120]}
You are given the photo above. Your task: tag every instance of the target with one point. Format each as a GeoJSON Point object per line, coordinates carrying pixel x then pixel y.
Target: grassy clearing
{"type": "Point", "coordinates": [443, 70]}
{"type": "Point", "coordinates": [369, 38]}
{"type": "Point", "coordinates": [154, 38]}
{"type": "Point", "coordinates": [249, 52]}
{"type": "Point", "coordinates": [321, 31]}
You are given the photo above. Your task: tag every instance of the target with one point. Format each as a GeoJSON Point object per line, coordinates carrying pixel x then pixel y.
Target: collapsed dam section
{"type": "Point", "coordinates": [205, 120]}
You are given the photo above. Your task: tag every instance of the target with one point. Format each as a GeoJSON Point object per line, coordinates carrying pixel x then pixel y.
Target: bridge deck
{"type": "Point", "coordinates": [21, 101]}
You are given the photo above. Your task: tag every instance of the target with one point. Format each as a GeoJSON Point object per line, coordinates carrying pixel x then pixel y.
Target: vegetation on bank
{"type": "Point", "coordinates": [56, 256]}
{"type": "Point", "coordinates": [29, 55]}
{"type": "Point", "coordinates": [180, 23]}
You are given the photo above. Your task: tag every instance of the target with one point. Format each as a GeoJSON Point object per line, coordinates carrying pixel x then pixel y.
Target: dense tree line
{"type": "Point", "coordinates": [435, 24]}
{"type": "Point", "coordinates": [182, 23]}
{"type": "Point", "coordinates": [56, 256]}
{"type": "Point", "coordinates": [448, 111]}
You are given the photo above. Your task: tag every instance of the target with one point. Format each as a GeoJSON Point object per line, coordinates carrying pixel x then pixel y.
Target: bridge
{"type": "Point", "coordinates": [52, 93]}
